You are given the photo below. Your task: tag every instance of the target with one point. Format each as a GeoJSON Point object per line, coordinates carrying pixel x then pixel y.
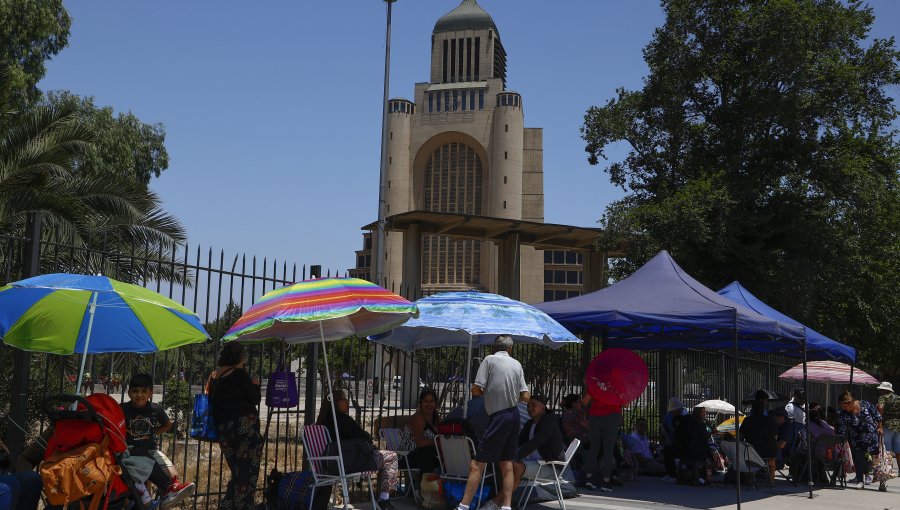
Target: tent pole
{"type": "Point", "coordinates": [337, 431]}
{"type": "Point", "coordinates": [809, 481]}
{"type": "Point", "coordinates": [737, 421]}
{"type": "Point", "coordinates": [468, 389]}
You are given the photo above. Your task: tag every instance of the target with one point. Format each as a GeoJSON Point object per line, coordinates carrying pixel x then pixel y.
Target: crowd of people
{"type": "Point", "coordinates": [513, 430]}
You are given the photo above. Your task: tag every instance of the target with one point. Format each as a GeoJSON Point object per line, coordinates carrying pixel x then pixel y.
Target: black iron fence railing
{"type": "Point", "coordinates": [381, 382]}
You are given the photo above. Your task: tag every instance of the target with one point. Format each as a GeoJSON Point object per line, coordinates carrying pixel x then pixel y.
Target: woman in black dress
{"type": "Point", "coordinates": [422, 428]}
{"type": "Point", "coordinates": [234, 398]}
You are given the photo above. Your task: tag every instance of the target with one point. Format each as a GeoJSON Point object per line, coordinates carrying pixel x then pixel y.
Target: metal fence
{"type": "Point", "coordinates": [381, 382]}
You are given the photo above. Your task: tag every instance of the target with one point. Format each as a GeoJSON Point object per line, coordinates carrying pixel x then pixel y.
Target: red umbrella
{"type": "Point", "coordinates": [616, 377]}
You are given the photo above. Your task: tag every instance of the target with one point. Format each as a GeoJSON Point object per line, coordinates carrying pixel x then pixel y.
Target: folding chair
{"type": "Point", "coordinates": [392, 438]}
{"type": "Point", "coordinates": [750, 461]}
{"type": "Point", "coordinates": [823, 443]}
{"type": "Point", "coordinates": [557, 467]}
{"type": "Point", "coordinates": [315, 439]}
{"type": "Point", "coordinates": [455, 455]}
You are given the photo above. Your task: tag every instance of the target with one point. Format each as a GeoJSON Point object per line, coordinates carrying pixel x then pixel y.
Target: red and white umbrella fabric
{"type": "Point", "coordinates": [828, 372]}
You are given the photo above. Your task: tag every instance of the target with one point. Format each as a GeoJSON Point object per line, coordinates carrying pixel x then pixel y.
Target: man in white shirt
{"type": "Point", "coordinates": [640, 449]}
{"type": "Point", "coordinates": [794, 408]}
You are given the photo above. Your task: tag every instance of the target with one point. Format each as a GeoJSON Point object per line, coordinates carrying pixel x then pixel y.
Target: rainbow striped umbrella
{"type": "Point", "coordinates": [322, 310]}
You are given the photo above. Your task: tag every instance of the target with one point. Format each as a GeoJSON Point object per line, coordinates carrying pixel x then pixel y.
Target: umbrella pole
{"type": "Point", "coordinates": [809, 481]}
{"type": "Point", "coordinates": [337, 438]}
{"type": "Point", "coordinates": [737, 421]}
{"type": "Point", "coordinates": [87, 342]}
{"type": "Point", "coordinates": [468, 383]}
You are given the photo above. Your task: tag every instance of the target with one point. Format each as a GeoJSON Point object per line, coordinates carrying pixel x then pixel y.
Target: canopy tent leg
{"type": "Point", "coordinates": [806, 436]}
{"type": "Point", "coordinates": [468, 382]}
{"type": "Point", "coordinates": [737, 421]}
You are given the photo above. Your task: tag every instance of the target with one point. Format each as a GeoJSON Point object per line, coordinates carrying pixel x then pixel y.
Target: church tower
{"type": "Point", "coordinates": [461, 147]}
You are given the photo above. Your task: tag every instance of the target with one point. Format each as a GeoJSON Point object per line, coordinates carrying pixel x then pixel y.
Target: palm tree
{"type": "Point", "coordinates": [107, 224]}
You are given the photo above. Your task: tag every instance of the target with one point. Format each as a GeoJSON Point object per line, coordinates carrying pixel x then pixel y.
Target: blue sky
{"type": "Point", "coordinates": [273, 109]}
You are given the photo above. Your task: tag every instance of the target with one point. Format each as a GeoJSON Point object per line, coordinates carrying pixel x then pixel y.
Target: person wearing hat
{"type": "Point", "coordinates": [540, 440]}
{"type": "Point", "coordinates": [674, 411]}
{"type": "Point", "coordinates": [501, 380]}
{"type": "Point", "coordinates": [889, 407]}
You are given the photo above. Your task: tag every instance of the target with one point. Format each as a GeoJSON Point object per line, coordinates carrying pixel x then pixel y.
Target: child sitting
{"type": "Point", "coordinates": [144, 420]}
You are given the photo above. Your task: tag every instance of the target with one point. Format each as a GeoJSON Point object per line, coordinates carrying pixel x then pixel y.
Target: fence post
{"type": "Point", "coordinates": [16, 437]}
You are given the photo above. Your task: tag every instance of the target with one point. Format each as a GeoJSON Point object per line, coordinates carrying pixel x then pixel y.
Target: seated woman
{"type": "Point", "coordinates": [692, 444]}
{"type": "Point", "coordinates": [817, 427]}
{"type": "Point", "coordinates": [348, 429]}
{"type": "Point", "coordinates": [422, 428]}
{"type": "Point", "coordinates": [761, 432]}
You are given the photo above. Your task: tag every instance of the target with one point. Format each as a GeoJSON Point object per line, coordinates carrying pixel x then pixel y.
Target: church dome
{"type": "Point", "coordinates": [468, 15]}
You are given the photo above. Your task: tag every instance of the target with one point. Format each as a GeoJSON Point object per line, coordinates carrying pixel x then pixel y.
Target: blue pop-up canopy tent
{"type": "Point", "coordinates": [818, 346]}
{"type": "Point", "coordinates": [660, 306]}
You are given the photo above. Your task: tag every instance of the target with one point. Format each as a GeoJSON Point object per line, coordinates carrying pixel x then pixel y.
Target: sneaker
{"type": "Point", "coordinates": [701, 481]}
{"type": "Point", "coordinates": [882, 487]}
{"type": "Point", "coordinates": [385, 504]}
{"type": "Point", "coordinates": [176, 493]}
{"type": "Point", "coordinates": [591, 485]}
{"type": "Point", "coordinates": [859, 485]}
{"type": "Point", "coordinates": [604, 488]}
{"type": "Point", "coordinates": [868, 480]}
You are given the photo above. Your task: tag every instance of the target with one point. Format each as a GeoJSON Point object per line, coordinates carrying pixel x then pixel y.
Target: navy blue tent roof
{"type": "Point", "coordinates": [662, 307]}
{"type": "Point", "coordinates": [818, 346]}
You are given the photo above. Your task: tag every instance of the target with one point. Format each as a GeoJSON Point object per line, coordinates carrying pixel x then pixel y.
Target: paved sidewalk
{"type": "Point", "coordinates": [654, 494]}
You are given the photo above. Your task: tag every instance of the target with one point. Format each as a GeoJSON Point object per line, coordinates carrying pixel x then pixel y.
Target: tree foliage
{"type": "Point", "coordinates": [124, 146]}
{"type": "Point", "coordinates": [763, 149]}
{"type": "Point", "coordinates": [32, 31]}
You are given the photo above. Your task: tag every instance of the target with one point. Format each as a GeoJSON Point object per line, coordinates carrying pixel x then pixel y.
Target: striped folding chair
{"type": "Point", "coordinates": [392, 439]}
{"type": "Point", "coordinates": [315, 439]}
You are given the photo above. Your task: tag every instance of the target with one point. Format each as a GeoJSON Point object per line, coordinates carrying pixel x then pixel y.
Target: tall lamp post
{"type": "Point", "coordinates": [380, 246]}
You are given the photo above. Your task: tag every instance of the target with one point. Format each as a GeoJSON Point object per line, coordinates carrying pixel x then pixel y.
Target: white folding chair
{"type": "Point", "coordinates": [555, 466]}
{"type": "Point", "coordinates": [392, 439]}
{"type": "Point", "coordinates": [315, 439]}
{"type": "Point", "coordinates": [455, 455]}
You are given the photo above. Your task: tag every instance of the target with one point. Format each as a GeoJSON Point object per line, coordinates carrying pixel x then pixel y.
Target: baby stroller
{"type": "Point", "coordinates": [83, 464]}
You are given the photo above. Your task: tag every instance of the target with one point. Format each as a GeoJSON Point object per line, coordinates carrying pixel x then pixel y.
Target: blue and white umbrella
{"type": "Point", "coordinates": [467, 319]}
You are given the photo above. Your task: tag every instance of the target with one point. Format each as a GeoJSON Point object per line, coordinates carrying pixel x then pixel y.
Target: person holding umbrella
{"type": "Point", "coordinates": [501, 380]}
{"type": "Point", "coordinates": [234, 397]}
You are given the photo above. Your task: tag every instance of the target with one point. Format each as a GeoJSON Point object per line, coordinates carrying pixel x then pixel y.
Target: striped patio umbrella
{"type": "Point", "coordinates": [322, 310]}
{"type": "Point", "coordinates": [828, 372]}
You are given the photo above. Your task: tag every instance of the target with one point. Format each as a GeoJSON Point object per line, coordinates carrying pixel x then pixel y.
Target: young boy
{"type": "Point", "coordinates": [144, 421]}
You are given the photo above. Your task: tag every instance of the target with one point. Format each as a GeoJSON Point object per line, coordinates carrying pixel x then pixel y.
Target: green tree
{"type": "Point", "coordinates": [123, 145]}
{"type": "Point", "coordinates": [40, 150]}
{"type": "Point", "coordinates": [763, 149]}
{"type": "Point", "coordinates": [32, 31]}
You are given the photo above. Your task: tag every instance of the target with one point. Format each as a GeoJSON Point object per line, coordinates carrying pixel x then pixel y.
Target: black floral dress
{"type": "Point", "coordinates": [234, 400]}
{"type": "Point", "coordinates": [862, 427]}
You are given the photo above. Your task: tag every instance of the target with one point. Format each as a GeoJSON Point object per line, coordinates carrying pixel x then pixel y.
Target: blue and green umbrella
{"type": "Point", "coordinates": [71, 313]}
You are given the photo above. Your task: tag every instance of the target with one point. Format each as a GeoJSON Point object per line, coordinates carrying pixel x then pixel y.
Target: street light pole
{"type": "Point", "coordinates": [380, 247]}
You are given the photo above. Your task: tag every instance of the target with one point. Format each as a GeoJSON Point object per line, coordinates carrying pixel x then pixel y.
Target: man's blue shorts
{"type": "Point", "coordinates": [501, 437]}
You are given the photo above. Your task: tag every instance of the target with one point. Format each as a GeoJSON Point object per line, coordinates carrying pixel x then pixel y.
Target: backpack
{"type": "Point", "coordinates": [294, 491]}
{"type": "Point", "coordinates": [86, 471]}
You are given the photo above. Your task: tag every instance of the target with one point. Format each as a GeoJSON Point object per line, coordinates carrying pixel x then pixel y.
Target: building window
{"type": "Point", "coordinates": [430, 102]}
{"type": "Point", "coordinates": [504, 204]}
{"type": "Point", "coordinates": [481, 99]}
{"type": "Point", "coordinates": [459, 62]}
{"type": "Point", "coordinates": [559, 257]}
{"type": "Point", "coordinates": [389, 184]}
{"type": "Point", "coordinates": [392, 135]}
{"type": "Point", "coordinates": [548, 295]}
{"type": "Point", "coordinates": [390, 160]}
{"type": "Point", "coordinates": [506, 128]}
{"type": "Point", "coordinates": [447, 101]}
{"type": "Point", "coordinates": [462, 99]}
{"type": "Point", "coordinates": [548, 276]}
{"type": "Point", "coordinates": [444, 62]}
{"type": "Point", "coordinates": [452, 59]}
{"type": "Point", "coordinates": [455, 100]}
{"type": "Point", "coordinates": [505, 156]}
{"type": "Point", "coordinates": [477, 59]}
{"type": "Point", "coordinates": [504, 179]}
{"type": "Point", "coordinates": [438, 101]}
{"type": "Point", "coordinates": [472, 100]}
{"type": "Point", "coordinates": [469, 59]}
{"type": "Point", "coordinates": [571, 257]}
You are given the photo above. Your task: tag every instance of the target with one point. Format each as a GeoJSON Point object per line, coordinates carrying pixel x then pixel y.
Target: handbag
{"type": "Point", "coordinates": [295, 490]}
{"type": "Point", "coordinates": [203, 428]}
{"type": "Point", "coordinates": [281, 392]}
{"type": "Point", "coordinates": [882, 464]}
{"type": "Point", "coordinates": [359, 456]}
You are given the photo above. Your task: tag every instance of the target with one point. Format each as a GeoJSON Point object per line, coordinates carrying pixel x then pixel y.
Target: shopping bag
{"type": "Point", "coordinates": [202, 426]}
{"type": "Point", "coordinates": [281, 392]}
{"type": "Point", "coordinates": [882, 464]}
